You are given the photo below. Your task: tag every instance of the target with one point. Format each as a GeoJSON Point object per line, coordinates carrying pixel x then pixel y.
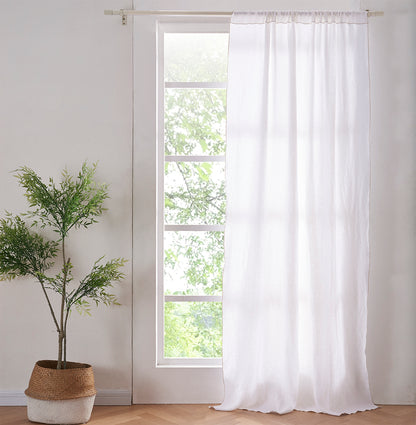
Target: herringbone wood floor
{"type": "Point", "coordinates": [191, 414]}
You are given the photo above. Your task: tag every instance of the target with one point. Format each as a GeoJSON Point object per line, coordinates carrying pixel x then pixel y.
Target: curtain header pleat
{"type": "Point", "coordinates": [301, 17]}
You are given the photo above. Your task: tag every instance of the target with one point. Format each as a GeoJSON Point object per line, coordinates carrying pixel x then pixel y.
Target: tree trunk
{"type": "Point", "coordinates": [60, 351]}
{"type": "Point", "coordinates": [65, 338]}
{"type": "Point", "coordinates": [61, 327]}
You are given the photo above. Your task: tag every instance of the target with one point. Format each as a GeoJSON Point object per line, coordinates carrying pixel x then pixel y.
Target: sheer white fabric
{"type": "Point", "coordinates": [296, 242]}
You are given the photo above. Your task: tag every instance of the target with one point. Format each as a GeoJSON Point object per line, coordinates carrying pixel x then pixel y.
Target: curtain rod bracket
{"type": "Point", "coordinates": [120, 12]}
{"type": "Point", "coordinates": [123, 18]}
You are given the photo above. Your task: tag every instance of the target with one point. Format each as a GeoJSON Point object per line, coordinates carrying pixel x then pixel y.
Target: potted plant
{"type": "Point", "coordinates": [59, 391]}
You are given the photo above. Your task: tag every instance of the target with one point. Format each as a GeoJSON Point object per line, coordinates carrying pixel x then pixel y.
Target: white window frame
{"type": "Point", "coordinates": [153, 383]}
{"type": "Point", "coordinates": [163, 28]}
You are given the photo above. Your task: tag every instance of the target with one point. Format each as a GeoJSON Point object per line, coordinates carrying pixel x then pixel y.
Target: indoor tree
{"type": "Point", "coordinates": [76, 202]}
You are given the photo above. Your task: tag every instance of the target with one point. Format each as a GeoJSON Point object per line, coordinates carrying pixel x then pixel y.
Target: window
{"type": "Point", "coordinates": [191, 193]}
{"type": "Point", "coordinates": [160, 378]}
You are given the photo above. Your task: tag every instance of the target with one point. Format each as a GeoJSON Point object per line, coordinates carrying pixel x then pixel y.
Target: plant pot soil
{"type": "Point", "coordinates": [64, 396]}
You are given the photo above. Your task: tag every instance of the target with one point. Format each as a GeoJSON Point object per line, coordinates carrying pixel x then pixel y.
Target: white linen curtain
{"type": "Point", "coordinates": [296, 239]}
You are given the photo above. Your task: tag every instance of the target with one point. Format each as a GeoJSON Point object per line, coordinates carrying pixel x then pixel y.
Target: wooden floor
{"type": "Point", "coordinates": [191, 414]}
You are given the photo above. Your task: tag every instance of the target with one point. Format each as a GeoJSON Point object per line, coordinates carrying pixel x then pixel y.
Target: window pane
{"type": "Point", "coordinates": [196, 57]}
{"type": "Point", "coordinates": [194, 193]}
{"type": "Point", "coordinates": [193, 329]}
{"type": "Point", "coordinates": [195, 121]}
{"type": "Point", "coordinates": [193, 263]}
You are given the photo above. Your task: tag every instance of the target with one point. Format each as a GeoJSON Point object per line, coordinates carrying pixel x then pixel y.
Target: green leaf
{"type": "Point", "coordinates": [22, 251]}
{"type": "Point", "coordinates": [76, 202]}
{"type": "Point", "coordinates": [94, 286]}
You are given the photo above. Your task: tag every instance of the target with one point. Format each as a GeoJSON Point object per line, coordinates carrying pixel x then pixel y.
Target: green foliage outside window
{"type": "Point", "coordinates": [194, 193]}
{"type": "Point", "coordinates": [197, 257]}
{"type": "Point", "coordinates": [193, 329]}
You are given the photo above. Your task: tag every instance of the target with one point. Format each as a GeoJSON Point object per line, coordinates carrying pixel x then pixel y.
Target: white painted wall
{"type": "Point", "coordinates": [65, 96]}
{"type": "Point", "coordinates": [391, 337]}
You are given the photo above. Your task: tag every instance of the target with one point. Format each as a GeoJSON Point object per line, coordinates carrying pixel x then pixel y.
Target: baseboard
{"type": "Point", "coordinates": [104, 398]}
{"type": "Point", "coordinates": [113, 398]}
{"type": "Point", "coordinates": [12, 398]}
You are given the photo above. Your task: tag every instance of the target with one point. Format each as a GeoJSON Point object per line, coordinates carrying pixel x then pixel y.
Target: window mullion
{"type": "Point", "coordinates": [193, 298]}
{"type": "Point", "coordinates": [194, 158]}
{"type": "Point", "coordinates": [195, 85]}
{"type": "Point", "coordinates": [194, 228]}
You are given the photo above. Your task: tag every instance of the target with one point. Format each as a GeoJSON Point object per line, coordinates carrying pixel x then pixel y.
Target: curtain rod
{"type": "Point", "coordinates": [124, 12]}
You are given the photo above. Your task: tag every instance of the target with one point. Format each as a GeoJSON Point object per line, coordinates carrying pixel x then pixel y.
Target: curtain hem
{"type": "Point", "coordinates": [346, 412]}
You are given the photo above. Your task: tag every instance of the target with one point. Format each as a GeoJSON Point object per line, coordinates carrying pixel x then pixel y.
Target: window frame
{"type": "Point", "coordinates": [161, 227]}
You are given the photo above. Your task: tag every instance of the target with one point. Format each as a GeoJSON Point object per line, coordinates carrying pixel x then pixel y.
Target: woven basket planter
{"type": "Point", "coordinates": [64, 396]}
